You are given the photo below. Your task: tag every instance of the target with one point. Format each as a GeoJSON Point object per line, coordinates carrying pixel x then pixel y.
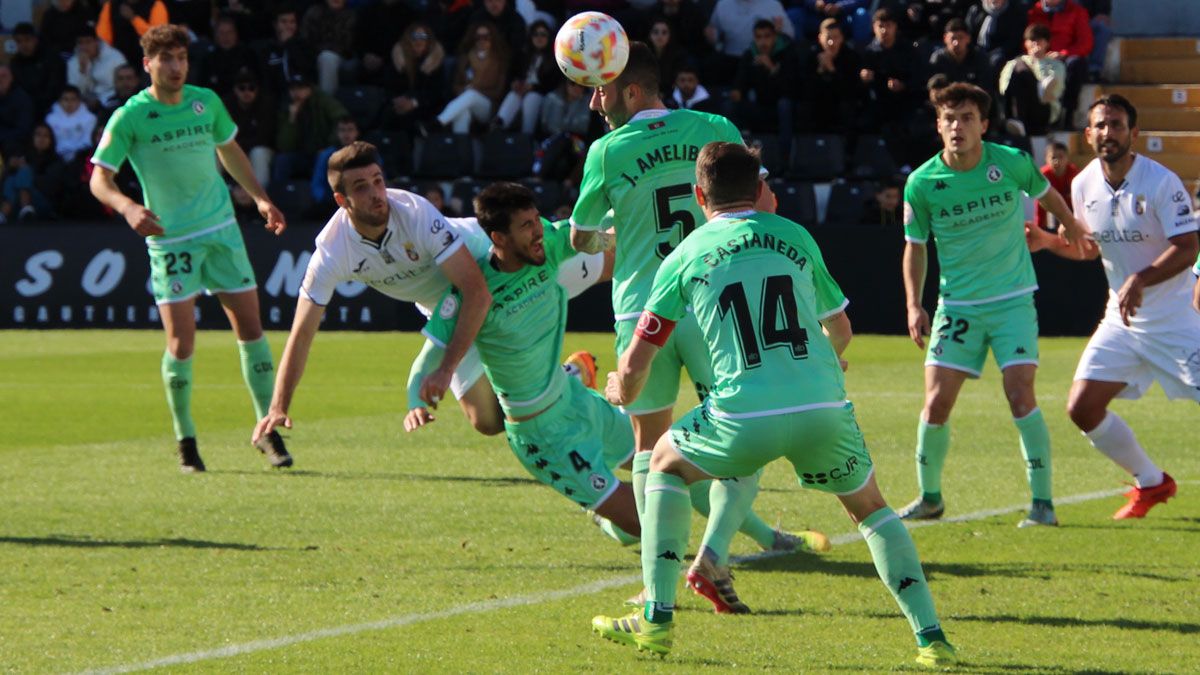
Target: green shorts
{"type": "Point", "coordinates": [216, 261]}
{"type": "Point", "coordinates": [963, 333]}
{"type": "Point", "coordinates": [824, 445]}
{"type": "Point", "coordinates": [574, 446]}
{"type": "Point", "coordinates": [684, 349]}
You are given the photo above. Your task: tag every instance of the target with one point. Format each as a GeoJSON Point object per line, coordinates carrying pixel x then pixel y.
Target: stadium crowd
{"type": "Point", "coordinates": [828, 89]}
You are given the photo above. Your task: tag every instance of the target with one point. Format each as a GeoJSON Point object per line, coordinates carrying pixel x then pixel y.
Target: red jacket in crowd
{"type": "Point", "coordinates": [1070, 29]}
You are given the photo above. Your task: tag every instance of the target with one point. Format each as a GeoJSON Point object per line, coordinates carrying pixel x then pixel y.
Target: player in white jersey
{"type": "Point", "coordinates": [1142, 219]}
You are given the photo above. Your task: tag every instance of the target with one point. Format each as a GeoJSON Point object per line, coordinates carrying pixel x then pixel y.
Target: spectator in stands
{"type": "Point", "coordinates": [16, 113]}
{"type": "Point", "coordinates": [34, 181]}
{"type": "Point", "coordinates": [930, 16]}
{"type": "Point", "coordinates": [479, 78]}
{"type": "Point", "coordinates": [997, 27]}
{"type": "Point", "coordinates": [687, 28]}
{"type": "Point", "coordinates": [92, 69]}
{"type": "Point", "coordinates": [670, 57]}
{"type": "Point", "coordinates": [305, 125]}
{"type": "Point", "coordinates": [1059, 170]}
{"type": "Point", "coordinates": [566, 119]}
{"type": "Point", "coordinates": [122, 22]}
{"type": "Point", "coordinates": [1098, 12]}
{"type": "Point", "coordinates": [891, 74]}
{"type": "Point", "coordinates": [417, 78]}
{"type": "Point", "coordinates": [690, 94]}
{"type": "Point", "coordinates": [1070, 42]}
{"type": "Point", "coordinates": [375, 35]}
{"type": "Point", "coordinates": [730, 31]}
{"type": "Point", "coordinates": [813, 13]}
{"type": "Point", "coordinates": [1032, 85]}
{"type": "Point", "coordinates": [887, 207]}
{"type": "Point", "coordinates": [126, 83]}
{"type": "Point", "coordinates": [62, 21]}
{"type": "Point", "coordinates": [329, 31]}
{"type": "Point", "coordinates": [537, 74]}
{"type": "Point", "coordinates": [959, 60]}
{"type": "Point", "coordinates": [763, 98]}
{"type": "Point", "coordinates": [253, 18]}
{"type": "Point", "coordinates": [223, 58]}
{"type": "Point", "coordinates": [285, 55]}
{"type": "Point", "coordinates": [347, 133]}
{"type": "Point", "coordinates": [507, 22]}
{"type": "Point", "coordinates": [35, 69]}
{"type": "Point", "coordinates": [254, 113]}
{"type": "Point", "coordinates": [833, 92]}
{"type": "Point", "coordinates": [72, 123]}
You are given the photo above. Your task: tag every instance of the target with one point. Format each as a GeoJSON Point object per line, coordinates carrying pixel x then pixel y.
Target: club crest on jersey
{"type": "Point", "coordinates": [994, 174]}
{"type": "Point", "coordinates": [1139, 205]}
{"type": "Point", "coordinates": [449, 307]}
{"type": "Point", "coordinates": [198, 107]}
{"type": "Point", "coordinates": [411, 252]}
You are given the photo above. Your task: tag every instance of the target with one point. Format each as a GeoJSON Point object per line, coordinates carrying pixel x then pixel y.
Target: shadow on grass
{"type": "Point", "coordinates": [1044, 571]}
{"type": "Point", "coordinates": [1076, 622]}
{"type": "Point", "coordinates": [77, 541]}
{"type": "Point", "coordinates": [968, 667]}
{"type": "Point", "coordinates": [495, 481]}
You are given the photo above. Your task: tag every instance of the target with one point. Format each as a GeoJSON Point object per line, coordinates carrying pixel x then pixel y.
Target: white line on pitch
{"type": "Point", "coordinates": [523, 600]}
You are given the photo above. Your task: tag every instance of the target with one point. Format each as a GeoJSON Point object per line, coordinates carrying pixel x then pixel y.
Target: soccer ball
{"type": "Point", "coordinates": [591, 49]}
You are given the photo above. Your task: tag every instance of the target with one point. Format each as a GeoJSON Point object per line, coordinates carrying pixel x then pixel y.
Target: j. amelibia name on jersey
{"type": "Point", "coordinates": [661, 155]}
{"type": "Point", "coordinates": [972, 206]}
{"type": "Point", "coordinates": [754, 240]}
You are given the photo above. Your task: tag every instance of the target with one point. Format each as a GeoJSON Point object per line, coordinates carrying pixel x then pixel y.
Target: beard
{"type": "Point", "coordinates": [1112, 153]}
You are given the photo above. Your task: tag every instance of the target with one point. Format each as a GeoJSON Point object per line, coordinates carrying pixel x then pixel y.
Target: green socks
{"type": "Point", "coordinates": [933, 442]}
{"type": "Point", "coordinates": [731, 500]}
{"type": "Point", "coordinates": [641, 467]}
{"type": "Point", "coordinates": [259, 372]}
{"type": "Point", "coordinates": [896, 562]}
{"type": "Point", "coordinates": [177, 380]}
{"type": "Point", "coordinates": [610, 528]}
{"type": "Point", "coordinates": [665, 526]}
{"type": "Point", "coordinates": [1035, 446]}
{"type": "Point", "coordinates": [753, 526]}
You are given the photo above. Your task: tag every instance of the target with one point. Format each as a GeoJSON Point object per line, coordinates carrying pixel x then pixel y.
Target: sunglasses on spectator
{"type": "Point", "coordinates": [420, 35]}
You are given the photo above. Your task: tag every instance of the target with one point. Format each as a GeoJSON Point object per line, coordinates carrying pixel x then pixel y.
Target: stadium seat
{"type": "Point", "coordinates": [549, 195]}
{"type": "Point", "coordinates": [294, 198]}
{"type": "Point", "coordinates": [504, 154]}
{"type": "Point", "coordinates": [797, 201]}
{"type": "Point", "coordinates": [769, 152]}
{"type": "Point", "coordinates": [396, 152]}
{"type": "Point", "coordinates": [872, 159]}
{"type": "Point", "coordinates": [444, 156]}
{"type": "Point", "coordinates": [818, 157]}
{"type": "Point", "coordinates": [848, 203]}
{"type": "Point", "coordinates": [463, 192]}
{"type": "Point", "coordinates": [364, 103]}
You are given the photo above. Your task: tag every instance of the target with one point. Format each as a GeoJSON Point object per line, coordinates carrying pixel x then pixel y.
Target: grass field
{"type": "Point", "coordinates": [434, 552]}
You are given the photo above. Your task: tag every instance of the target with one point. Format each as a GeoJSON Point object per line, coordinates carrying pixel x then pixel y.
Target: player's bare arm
{"type": "Point", "coordinates": [235, 161]}
{"type": "Point", "coordinates": [1074, 228]}
{"type": "Point", "coordinates": [1179, 256]}
{"type": "Point", "coordinates": [915, 265]}
{"type": "Point", "coordinates": [291, 366]}
{"type": "Point", "coordinates": [1039, 239]}
{"type": "Point", "coordinates": [104, 188]}
{"type": "Point", "coordinates": [626, 383]}
{"type": "Point", "coordinates": [592, 241]}
{"type": "Point", "coordinates": [1196, 296]}
{"type": "Point", "coordinates": [837, 329]}
{"type": "Point", "coordinates": [464, 274]}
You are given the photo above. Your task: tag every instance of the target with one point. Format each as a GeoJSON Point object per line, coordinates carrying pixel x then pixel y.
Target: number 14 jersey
{"type": "Point", "coordinates": [644, 171]}
{"type": "Point", "coordinates": [759, 289]}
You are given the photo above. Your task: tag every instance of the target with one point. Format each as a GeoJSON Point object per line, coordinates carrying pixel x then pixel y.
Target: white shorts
{"type": "Point", "coordinates": [468, 372]}
{"type": "Point", "coordinates": [579, 273]}
{"type": "Point", "coordinates": [1170, 355]}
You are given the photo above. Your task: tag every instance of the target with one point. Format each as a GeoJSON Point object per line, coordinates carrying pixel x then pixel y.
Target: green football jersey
{"type": "Point", "coordinates": [520, 342]}
{"type": "Point", "coordinates": [173, 152]}
{"type": "Point", "coordinates": [644, 171]}
{"type": "Point", "coordinates": [977, 218]}
{"type": "Point", "coordinates": [759, 289]}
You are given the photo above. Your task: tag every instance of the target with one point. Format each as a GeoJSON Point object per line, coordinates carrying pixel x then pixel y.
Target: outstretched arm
{"type": "Point", "coordinates": [235, 161]}
{"type": "Point", "coordinates": [291, 366]}
{"type": "Point", "coordinates": [464, 275]}
{"type": "Point", "coordinates": [1040, 240]}
{"type": "Point", "coordinates": [425, 363]}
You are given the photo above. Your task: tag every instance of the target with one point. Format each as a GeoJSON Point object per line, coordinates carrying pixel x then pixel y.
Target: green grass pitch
{"type": "Point", "coordinates": [434, 552]}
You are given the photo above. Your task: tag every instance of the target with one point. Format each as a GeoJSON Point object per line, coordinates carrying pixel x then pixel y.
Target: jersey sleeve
{"type": "Point", "coordinates": [322, 277]}
{"type": "Point", "coordinates": [830, 299]}
{"type": "Point", "coordinates": [1173, 206]}
{"type": "Point", "coordinates": [557, 242]}
{"type": "Point", "coordinates": [593, 200]}
{"type": "Point", "coordinates": [440, 326]}
{"type": "Point", "coordinates": [916, 213]}
{"type": "Point", "coordinates": [113, 149]}
{"type": "Point", "coordinates": [224, 128]}
{"type": "Point", "coordinates": [1029, 177]}
{"type": "Point", "coordinates": [436, 237]}
{"type": "Point", "coordinates": [729, 132]}
{"type": "Point", "coordinates": [667, 295]}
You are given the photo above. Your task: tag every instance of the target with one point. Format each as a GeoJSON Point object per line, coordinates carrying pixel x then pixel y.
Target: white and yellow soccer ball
{"type": "Point", "coordinates": [591, 49]}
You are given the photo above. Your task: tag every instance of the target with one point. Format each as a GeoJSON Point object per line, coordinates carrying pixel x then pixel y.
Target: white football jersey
{"type": "Point", "coordinates": [1133, 224]}
{"type": "Point", "coordinates": [404, 264]}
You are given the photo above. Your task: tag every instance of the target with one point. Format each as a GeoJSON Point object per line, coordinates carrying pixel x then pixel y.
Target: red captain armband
{"type": "Point", "coordinates": [653, 328]}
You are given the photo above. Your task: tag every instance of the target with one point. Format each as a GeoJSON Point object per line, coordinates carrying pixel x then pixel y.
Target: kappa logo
{"type": "Point", "coordinates": [198, 107]}
{"type": "Point", "coordinates": [940, 185]}
{"type": "Point", "coordinates": [994, 174]}
{"type": "Point", "coordinates": [153, 115]}
{"type": "Point", "coordinates": [1021, 350]}
{"type": "Point", "coordinates": [531, 450]}
{"type": "Point", "coordinates": [906, 582]}
{"type": "Point", "coordinates": [555, 476]}
{"type": "Point", "coordinates": [669, 555]}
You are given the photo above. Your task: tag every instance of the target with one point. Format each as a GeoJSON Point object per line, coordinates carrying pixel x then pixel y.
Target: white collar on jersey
{"type": "Point", "coordinates": [650, 114]}
{"type": "Point", "coordinates": [735, 214]}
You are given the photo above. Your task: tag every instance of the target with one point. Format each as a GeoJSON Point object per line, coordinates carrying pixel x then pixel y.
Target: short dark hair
{"type": "Point", "coordinates": [955, 25]}
{"type": "Point", "coordinates": [496, 204]}
{"type": "Point", "coordinates": [1058, 145]}
{"type": "Point", "coordinates": [354, 156]}
{"type": "Point", "coordinates": [163, 37]}
{"type": "Point", "coordinates": [641, 68]}
{"type": "Point", "coordinates": [765, 23]}
{"type": "Point", "coordinates": [728, 173]}
{"type": "Point", "coordinates": [1115, 101]}
{"type": "Point", "coordinates": [70, 89]}
{"type": "Point", "coordinates": [346, 119]}
{"type": "Point", "coordinates": [1037, 31]}
{"type": "Point", "coordinates": [891, 182]}
{"type": "Point", "coordinates": [834, 24]}
{"type": "Point", "coordinates": [24, 28]}
{"type": "Point", "coordinates": [954, 95]}
{"type": "Point", "coordinates": [884, 15]}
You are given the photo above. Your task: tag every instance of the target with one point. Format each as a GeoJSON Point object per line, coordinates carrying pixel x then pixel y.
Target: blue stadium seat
{"type": "Point", "coordinates": [396, 152]}
{"type": "Point", "coordinates": [872, 159]}
{"type": "Point", "coordinates": [848, 203]}
{"type": "Point", "coordinates": [504, 154]}
{"type": "Point", "coordinates": [364, 103]}
{"type": "Point", "coordinates": [818, 156]}
{"type": "Point", "coordinates": [797, 201]}
{"type": "Point", "coordinates": [444, 155]}
{"type": "Point", "coordinates": [465, 191]}
{"type": "Point", "coordinates": [549, 195]}
{"type": "Point", "coordinates": [294, 198]}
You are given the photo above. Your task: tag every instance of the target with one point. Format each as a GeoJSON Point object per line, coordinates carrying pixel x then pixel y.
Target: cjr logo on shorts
{"type": "Point", "coordinates": [836, 473]}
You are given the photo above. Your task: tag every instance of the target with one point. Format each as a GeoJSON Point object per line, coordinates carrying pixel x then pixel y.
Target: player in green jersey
{"type": "Point", "coordinates": [169, 132]}
{"type": "Point", "coordinates": [774, 322]}
{"type": "Point", "coordinates": [969, 198]}
{"type": "Point", "coordinates": [643, 171]}
{"type": "Point", "coordinates": [566, 435]}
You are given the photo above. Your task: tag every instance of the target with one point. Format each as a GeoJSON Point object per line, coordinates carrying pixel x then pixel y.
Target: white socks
{"type": "Point", "coordinates": [1115, 439]}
